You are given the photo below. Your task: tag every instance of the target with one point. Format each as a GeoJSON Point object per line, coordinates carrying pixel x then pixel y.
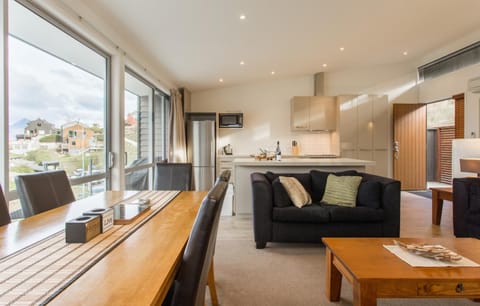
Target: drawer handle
{"type": "Point", "coordinates": [459, 288]}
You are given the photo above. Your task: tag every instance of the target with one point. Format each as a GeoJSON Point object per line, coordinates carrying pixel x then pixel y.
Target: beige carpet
{"type": "Point", "coordinates": [284, 274]}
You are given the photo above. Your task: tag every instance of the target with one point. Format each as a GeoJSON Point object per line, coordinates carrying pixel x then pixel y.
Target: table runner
{"type": "Point", "coordinates": [39, 272]}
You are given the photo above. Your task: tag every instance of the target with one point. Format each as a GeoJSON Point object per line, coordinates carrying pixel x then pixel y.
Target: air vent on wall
{"type": "Point", "coordinates": [454, 61]}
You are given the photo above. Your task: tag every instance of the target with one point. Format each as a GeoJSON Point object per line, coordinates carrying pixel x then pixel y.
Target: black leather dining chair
{"type": "Point", "coordinates": [173, 176]}
{"type": "Point", "coordinates": [196, 268]}
{"type": "Point", "coordinates": [224, 176]}
{"type": "Point", "coordinates": [39, 192]}
{"type": "Point", "coordinates": [4, 213]}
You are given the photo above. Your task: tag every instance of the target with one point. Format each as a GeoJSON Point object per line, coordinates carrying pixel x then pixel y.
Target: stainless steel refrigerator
{"type": "Point", "coordinates": [201, 149]}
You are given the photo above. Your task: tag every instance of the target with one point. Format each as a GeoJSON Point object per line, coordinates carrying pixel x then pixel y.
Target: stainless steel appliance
{"type": "Point", "coordinates": [230, 120]}
{"type": "Point", "coordinates": [201, 149]}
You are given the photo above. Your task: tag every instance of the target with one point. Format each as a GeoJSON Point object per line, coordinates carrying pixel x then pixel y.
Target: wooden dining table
{"type": "Point", "coordinates": [137, 271]}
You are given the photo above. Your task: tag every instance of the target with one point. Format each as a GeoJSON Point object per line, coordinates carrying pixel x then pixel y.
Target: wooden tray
{"type": "Point", "coordinates": [127, 213]}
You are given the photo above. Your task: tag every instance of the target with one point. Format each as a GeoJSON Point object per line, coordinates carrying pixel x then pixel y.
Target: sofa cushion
{"type": "Point", "coordinates": [299, 196]}
{"type": "Point", "coordinates": [319, 180]}
{"type": "Point", "coordinates": [314, 213]}
{"type": "Point", "coordinates": [369, 194]}
{"type": "Point", "coordinates": [280, 195]}
{"type": "Point", "coordinates": [354, 214]}
{"type": "Point", "coordinates": [303, 178]}
{"type": "Point", "coordinates": [341, 190]}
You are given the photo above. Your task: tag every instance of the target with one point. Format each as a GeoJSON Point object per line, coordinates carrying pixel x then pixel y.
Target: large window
{"type": "Point", "coordinates": [58, 101]}
{"type": "Point", "coordinates": [146, 108]}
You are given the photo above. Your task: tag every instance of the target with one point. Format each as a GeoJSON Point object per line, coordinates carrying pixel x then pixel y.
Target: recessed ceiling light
{"type": "Point", "coordinates": [273, 72]}
{"type": "Point", "coordinates": [324, 65]}
{"type": "Point", "coordinates": [342, 49]}
{"type": "Point", "coordinates": [220, 80]}
{"type": "Point", "coordinates": [405, 53]}
{"type": "Point", "coordinates": [243, 17]}
{"type": "Point", "coordinates": [242, 63]}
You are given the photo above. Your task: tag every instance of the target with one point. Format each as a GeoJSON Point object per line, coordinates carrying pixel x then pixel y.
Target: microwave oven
{"type": "Point", "coordinates": [230, 120]}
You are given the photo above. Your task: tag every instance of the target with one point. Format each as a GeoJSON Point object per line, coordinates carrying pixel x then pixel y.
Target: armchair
{"type": "Point", "coordinates": [466, 207]}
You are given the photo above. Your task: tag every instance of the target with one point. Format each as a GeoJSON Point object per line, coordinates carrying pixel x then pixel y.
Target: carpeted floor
{"type": "Point", "coordinates": [284, 275]}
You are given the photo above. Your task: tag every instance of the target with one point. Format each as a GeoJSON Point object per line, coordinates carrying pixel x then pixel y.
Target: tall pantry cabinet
{"type": "Point", "coordinates": [364, 129]}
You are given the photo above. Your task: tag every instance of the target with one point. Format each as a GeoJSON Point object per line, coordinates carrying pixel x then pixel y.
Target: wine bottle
{"type": "Point", "coordinates": [278, 152]}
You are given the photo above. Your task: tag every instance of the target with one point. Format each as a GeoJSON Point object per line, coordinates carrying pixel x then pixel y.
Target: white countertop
{"type": "Point", "coordinates": [303, 162]}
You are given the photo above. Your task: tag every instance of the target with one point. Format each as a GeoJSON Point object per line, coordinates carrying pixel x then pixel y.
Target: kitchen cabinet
{"type": "Point", "coordinates": [317, 113]}
{"type": "Point", "coordinates": [364, 129]}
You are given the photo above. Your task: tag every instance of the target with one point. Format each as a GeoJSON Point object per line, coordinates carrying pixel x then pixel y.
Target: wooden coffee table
{"type": "Point", "coordinates": [438, 195]}
{"type": "Point", "coordinates": [374, 272]}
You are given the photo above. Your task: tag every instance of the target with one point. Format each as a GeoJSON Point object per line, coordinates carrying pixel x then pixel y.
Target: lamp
{"type": "Point", "coordinates": [470, 165]}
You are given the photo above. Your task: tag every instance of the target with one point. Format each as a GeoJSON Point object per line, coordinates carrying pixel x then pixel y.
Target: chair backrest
{"type": "Point", "coordinates": [4, 213]}
{"type": "Point", "coordinates": [42, 191]}
{"type": "Point", "coordinates": [191, 281]}
{"type": "Point", "coordinates": [224, 176]}
{"type": "Point", "coordinates": [137, 180]}
{"type": "Point", "coordinates": [173, 176]}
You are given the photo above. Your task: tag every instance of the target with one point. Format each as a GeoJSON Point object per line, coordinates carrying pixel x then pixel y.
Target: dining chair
{"type": "Point", "coordinates": [224, 176]}
{"type": "Point", "coordinates": [196, 268]}
{"type": "Point", "coordinates": [4, 213]}
{"type": "Point", "coordinates": [173, 176]}
{"type": "Point", "coordinates": [138, 179]}
{"type": "Point", "coordinates": [43, 191]}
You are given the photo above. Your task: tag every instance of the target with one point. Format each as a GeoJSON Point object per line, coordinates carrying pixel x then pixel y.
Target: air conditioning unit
{"type": "Point", "coordinates": [474, 85]}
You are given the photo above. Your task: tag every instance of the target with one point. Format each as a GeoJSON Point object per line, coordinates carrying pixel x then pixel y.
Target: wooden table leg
{"type": "Point", "coordinates": [334, 278]}
{"type": "Point", "coordinates": [437, 206]}
{"type": "Point", "coordinates": [364, 294]}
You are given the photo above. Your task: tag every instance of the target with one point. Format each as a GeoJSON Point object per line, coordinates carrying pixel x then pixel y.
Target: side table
{"type": "Point", "coordinates": [438, 195]}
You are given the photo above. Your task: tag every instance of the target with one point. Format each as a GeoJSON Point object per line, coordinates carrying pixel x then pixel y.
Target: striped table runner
{"type": "Point", "coordinates": [37, 273]}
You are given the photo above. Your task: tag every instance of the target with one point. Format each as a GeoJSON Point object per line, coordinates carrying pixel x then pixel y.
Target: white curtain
{"type": "Point", "coordinates": [177, 143]}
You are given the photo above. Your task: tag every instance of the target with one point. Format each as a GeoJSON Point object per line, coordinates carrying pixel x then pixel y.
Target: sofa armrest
{"type": "Point", "coordinates": [391, 190]}
{"type": "Point", "coordinates": [464, 204]}
{"type": "Point", "coordinates": [262, 195]}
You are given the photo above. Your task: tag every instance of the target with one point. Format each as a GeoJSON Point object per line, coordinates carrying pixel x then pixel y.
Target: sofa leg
{"type": "Point", "coordinates": [261, 244]}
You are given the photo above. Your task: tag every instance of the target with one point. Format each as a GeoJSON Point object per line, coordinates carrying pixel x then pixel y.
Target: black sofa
{"type": "Point", "coordinates": [376, 214]}
{"type": "Point", "coordinates": [466, 207]}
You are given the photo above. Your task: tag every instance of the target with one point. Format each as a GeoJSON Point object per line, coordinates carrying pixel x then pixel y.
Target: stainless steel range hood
{"type": "Point", "coordinates": [319, 84]}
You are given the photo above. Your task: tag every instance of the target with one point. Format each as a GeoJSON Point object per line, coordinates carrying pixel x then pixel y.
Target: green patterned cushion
{"type": "Point", "coordinates": [341, 190]}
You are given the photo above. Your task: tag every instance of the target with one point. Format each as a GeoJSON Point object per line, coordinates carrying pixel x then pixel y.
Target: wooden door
{"type": "Point", "coordinates": [409, 136]}
{"type": "Point", "coordinates": [459, 115]}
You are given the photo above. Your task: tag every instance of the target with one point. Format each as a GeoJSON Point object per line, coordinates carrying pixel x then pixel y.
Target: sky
{"type": "Point", "coordinates": [43, 86]}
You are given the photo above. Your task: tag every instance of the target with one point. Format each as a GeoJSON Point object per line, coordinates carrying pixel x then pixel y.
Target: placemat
{"type": "Point", "coordinates": [39, 272]}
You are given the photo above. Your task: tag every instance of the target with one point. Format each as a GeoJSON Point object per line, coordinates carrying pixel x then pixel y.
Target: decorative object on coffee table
{"type": "Point", "coordinates": [436, 252]}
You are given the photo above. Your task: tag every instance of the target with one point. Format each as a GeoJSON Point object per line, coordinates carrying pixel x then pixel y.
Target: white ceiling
{"type": "Point", "coordinates": [199, 41]}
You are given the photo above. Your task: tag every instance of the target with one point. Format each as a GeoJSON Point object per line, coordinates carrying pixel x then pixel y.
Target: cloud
{"type": "Point", "coordinates": [47, 87]}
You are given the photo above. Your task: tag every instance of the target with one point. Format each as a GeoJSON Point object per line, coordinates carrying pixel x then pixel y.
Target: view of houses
{"type": "Point", "coordinates": [74, 146]}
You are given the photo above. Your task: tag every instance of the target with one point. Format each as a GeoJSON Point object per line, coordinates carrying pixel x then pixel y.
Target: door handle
{"type": "Point", "coordinates": [396, 149]}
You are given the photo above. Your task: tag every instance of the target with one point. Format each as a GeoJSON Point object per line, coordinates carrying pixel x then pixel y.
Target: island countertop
{"type": "Point", "coordinates": [300, 162]}
{"type": "Point", "coordinates": [244, 167]}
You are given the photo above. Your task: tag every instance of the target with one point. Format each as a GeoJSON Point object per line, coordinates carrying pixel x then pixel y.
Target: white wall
{"type": "Point", "coordinates": [266, 109]}
{"type": "Point", "coordinates": [453, 83]}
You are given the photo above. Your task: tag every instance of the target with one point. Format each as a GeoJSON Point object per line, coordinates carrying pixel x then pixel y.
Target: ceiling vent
{"type": "Point", "coordinates": [474, 85]}
{"type": "Point", "coordinates": [454, 61]}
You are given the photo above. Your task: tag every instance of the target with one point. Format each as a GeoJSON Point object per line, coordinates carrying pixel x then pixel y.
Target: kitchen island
{"type": "Point", "coordinates": [243, 167]}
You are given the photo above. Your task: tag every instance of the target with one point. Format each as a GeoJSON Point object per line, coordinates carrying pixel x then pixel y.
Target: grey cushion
{"type": "Point", "coordinates": [369, 194]}
{"type": "Point", "coordinates": [319, 180]}
{"type": "Point", "coordinates": [314, 213]}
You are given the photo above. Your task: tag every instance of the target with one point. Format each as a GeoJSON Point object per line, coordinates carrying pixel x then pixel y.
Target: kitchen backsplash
{"type": "Point", "coordinates": [311, 143]}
